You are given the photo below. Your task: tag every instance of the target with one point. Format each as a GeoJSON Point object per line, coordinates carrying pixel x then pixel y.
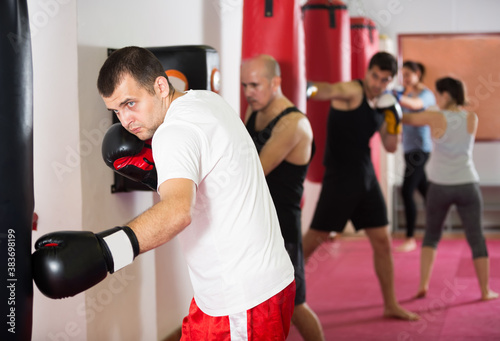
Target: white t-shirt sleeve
{"type": "Point", "coordinates": [177, 152]}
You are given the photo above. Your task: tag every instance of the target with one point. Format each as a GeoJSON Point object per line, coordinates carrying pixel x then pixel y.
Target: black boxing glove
{"type": "Point", "coordinates": [66, 263]}
{"type": "Point", "coordinates": [127, 155]}
{"type": "Point", "coordinates": [388, 105]}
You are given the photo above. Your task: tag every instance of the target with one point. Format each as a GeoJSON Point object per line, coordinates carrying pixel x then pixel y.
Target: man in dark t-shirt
{"type": "Point", "coordinates": [350, 190]}
{"type": "Point", "coordinates": [283, 137]}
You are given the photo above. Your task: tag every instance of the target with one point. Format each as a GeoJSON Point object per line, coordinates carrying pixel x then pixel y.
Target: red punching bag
{"type": "Point", "coordinates": [364, 44]}
{"type": "Point", "coordinates": [275, 28]}
{"type": "Point", "coordinates": [328, 59]}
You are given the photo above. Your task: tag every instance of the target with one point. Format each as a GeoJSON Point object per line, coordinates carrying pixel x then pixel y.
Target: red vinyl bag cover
{"type": "Point", "coordinates": [275, 28]}
{"type": "Point", "coordinates": [364, 44]}
{"type": "Point", "coordinates": [328, 59]}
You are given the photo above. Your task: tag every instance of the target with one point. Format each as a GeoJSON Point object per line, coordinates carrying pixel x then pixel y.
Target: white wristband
{"type": "Point", "coordinates": [121, 249]}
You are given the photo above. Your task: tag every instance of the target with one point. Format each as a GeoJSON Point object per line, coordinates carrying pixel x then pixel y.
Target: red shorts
{"type": "Point", "coordinates": [270, 320]}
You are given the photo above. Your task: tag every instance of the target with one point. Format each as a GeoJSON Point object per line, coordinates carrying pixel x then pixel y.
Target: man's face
{"type": "Point", "coordinates": [377, 81]}
{"type": "Point", "coordinates": [258, 89]}
{"type": "Point", "coordinates": [140, 112]}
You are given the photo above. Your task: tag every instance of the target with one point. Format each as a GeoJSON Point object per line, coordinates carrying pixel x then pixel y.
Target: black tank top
{"type": "Point", "coordinates": [285, 182]}
{"type": "Point", "coordinates": [347, 150]}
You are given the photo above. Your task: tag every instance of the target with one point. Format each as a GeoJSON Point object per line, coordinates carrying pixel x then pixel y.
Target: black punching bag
{"type": "Point", "coordinates": [196, 65]}
{"type": "Point", "coordinates": [16, 171]}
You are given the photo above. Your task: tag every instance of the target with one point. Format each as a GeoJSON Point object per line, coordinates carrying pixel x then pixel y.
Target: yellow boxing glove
{"type": "Point", "coordinates": [388, 105]}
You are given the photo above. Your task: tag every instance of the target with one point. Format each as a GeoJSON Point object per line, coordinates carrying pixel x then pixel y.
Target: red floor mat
{"type": "Point", "coordinates": [343, 290]}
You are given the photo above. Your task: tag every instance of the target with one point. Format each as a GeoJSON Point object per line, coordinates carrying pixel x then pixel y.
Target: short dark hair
{"type": "Point", "coordinates": [138, 62]}
{"type": "Point", "coordinates": [454, 87]}
{"type": "Point", "coordinates": [415, 67]}
{"type": "Point", "coordinates": [385, 61]}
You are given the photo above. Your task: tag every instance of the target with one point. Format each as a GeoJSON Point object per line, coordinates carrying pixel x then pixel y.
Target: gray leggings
{"type": "Point", "coordinates": [469, 203]}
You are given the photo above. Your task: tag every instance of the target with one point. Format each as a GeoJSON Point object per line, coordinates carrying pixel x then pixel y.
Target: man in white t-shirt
{"type": "Point", "coordinates": [213, 195]}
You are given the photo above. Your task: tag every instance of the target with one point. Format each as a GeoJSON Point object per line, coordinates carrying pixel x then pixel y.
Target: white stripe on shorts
{"type": "Point", "coordinates": [238, 326]}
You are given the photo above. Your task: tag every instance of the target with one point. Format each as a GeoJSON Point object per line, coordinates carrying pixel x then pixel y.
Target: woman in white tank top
{"type": "Point", "coordinates": [453, 180]}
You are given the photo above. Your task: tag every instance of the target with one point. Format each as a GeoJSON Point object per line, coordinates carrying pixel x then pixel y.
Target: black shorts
{"type": "Point", "coordinates": [344, 198]}
{"type": "Point", "coordinates": [296, 255]}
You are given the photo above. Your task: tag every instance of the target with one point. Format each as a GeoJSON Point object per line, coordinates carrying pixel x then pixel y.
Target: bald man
{"type": "Point", "coordinates": [284, 140]}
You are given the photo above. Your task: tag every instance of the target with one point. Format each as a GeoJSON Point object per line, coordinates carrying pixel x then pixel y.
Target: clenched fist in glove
{"type": "Point", "coordinates": [388, 105]}
{"type": "Point", "coordinates": [66, 263]}
{"type": "Point", "coordinates": [127, 155]}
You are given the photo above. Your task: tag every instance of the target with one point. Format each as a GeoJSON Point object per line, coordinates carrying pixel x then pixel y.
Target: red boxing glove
{"type": "Point", "coordinates": [143, 160]}
{"type": "Point", "coordinates": [127, 155]}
